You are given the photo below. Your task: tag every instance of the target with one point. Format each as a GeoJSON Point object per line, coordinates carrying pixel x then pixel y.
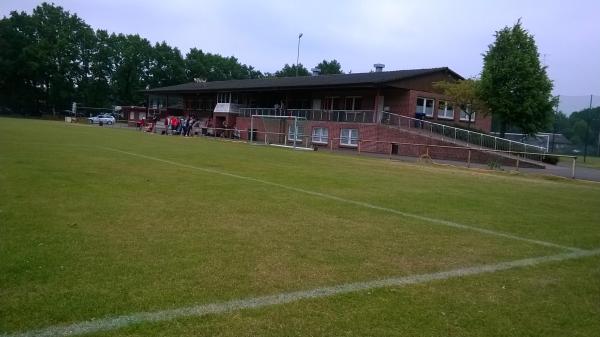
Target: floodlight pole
{"type": "Point", "coordinates": [298, 55]}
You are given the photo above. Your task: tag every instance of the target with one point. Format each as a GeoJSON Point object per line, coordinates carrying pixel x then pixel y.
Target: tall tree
{"type": "Point", "coordinates": [466, 95]}
{"type": "Point", "coordinates": [330, 67]}
{"type": "Point", "coordinates": [133, 59]}
{"type": "Point", "coordinates": [60, 44]}
{"type": "Point", "coordinates": [514, 85]}
{"type": "Point", "coordinates": [167, 66]}
{"type": "Point", "coordinates": [97, 92]}
{"type": "Point", "coordinates": [290, 71]}
{"type": "Point", "coordinates": [214, 67]}
{"type": "Point", "coordinates": [20, 64]}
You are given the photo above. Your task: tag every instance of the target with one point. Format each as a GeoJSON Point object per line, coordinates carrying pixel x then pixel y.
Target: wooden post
{"type": "Point", "coordinates": [573, 168]}
{"type": "Point", "coordinates": [469, 159]}
{"type": "Point", "coordinates": [518, 163]}
{"type": "Point", "coordinates": [390, 154]}
{"type": "Point", "coordinates": [359, 146]}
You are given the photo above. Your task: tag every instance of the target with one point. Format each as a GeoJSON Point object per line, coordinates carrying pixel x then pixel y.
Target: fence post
{"type": "Point", "coordinates": [573, 168]}
{"type": "Point", "coordinates": [359, 142]}
{"type": "Point", "coordinates": [518, 163]}
{"type": "Point", "coordinates": [390, 152]}
{"type": "Point", "coordinates": [469, 159]}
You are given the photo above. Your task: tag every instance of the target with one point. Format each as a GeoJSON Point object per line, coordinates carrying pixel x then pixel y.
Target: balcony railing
{"type": "Point", "coordinates": [350, 116]}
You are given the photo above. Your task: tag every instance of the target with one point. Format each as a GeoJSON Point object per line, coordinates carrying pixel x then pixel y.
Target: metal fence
{"type": "Point", "coordinates": [349, 116]}
{"type": "Point", "coordinates": [461, 137]}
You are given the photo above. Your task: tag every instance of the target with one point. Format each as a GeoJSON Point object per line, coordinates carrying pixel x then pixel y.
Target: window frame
{"type": "Point", "coordinates": [443, 113]}
{"type": "Point", "coordinates": [354, 100]}
{"type": "Point", "coordinates": [299, 133]}
{"type": "Point", "coordinates": [466, 117]}
{"type": "Point", "coordinates": [330, 102]}
{"type": "Point", "coordinates": [322, 137]}
{"type": "Point", "coordinates": [224, 97]}
{"type": "Point", "coordinates": [349, 137]}
{"type": "Point", "coordinates": [425, 100]}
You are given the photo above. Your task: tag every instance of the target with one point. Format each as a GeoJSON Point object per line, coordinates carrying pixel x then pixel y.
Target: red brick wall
{"type": "Point", "coordinates": [482, 122]}
{"type": "Point", "coordinates": [376, 138]}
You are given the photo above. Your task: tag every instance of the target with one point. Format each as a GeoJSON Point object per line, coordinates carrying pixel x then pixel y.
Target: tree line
{"type": "Point", "coordinates": [51, 58]}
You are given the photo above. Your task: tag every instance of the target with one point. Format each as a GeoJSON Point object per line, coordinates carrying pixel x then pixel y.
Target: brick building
{"type": "Point", "coordinates": [347, 107]}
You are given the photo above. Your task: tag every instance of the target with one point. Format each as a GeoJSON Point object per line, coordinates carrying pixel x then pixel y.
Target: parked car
{"type": "Point", "coordinates": [104, 119]}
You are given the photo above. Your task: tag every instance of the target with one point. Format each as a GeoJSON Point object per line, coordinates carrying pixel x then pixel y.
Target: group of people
{"type": "Point", "coordinates": [180, 125]}
{"type": "Point", "coordinates": [177, 125]}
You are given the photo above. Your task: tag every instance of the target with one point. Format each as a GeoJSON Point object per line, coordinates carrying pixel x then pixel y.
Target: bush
{"type": "Point", "coordinates": [494, 165]}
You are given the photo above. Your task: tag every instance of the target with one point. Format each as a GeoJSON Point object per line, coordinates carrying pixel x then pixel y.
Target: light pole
{"type": "Point", "coordinates": [298, 55]}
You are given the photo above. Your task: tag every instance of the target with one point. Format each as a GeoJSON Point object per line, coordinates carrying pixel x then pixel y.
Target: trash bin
{"type": "Point", "coordinates": [395, 148]}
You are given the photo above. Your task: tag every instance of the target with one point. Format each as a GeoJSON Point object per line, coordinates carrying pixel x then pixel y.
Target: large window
{"type": "Point", "coordinates": [445, 110]}
{"type": "Point", "coordinates": [331, 103]}
{"type": "Point", "coordinates": [224, 97]}
{"type": "Point", "coordinates": [352, 103]}
{"type": "Point", "coordinates": [464, 116]}
{"type": "Point", "coordinates": [425, 106]}
{"type": "Point", "coordinates": [299, 132]}
{"type": "Point", "coordinates": [349, 137]}
{"type": "Point", "coordinates": [320, 135]}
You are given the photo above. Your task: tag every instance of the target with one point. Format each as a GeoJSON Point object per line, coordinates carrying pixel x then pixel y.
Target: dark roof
{"type": "Point", "coordinates": [357, 79]}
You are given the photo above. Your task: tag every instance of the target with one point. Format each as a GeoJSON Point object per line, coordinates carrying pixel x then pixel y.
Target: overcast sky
{"type": "Point", "coordinates": [400, 34]}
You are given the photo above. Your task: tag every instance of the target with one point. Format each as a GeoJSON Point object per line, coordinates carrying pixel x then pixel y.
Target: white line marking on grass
{"type": "Point", "coordinates": [113, 323]}
{"type": "Point", "coordinates": [349, 201]}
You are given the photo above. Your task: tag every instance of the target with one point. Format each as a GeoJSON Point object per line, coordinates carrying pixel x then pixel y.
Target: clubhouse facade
{"type": "Point", "coordinates": [337, 101]}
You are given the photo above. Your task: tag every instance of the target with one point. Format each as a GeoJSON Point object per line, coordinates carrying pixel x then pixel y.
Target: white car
{"type": "Point", "coordinates": [105, 119]}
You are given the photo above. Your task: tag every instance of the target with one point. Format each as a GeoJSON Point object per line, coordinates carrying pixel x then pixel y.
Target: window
{"type": "Point", "coordinates": [425, 106]}
{"type": "Point", "coordinates": [465, 117]}
{"type": "Point", "coordinates": [352, 103]}
{"type": "Point", "coordinates": [320, 135]}
{"type": "Point", "coordinates": [446, 110]}
{"type": "Point", "coordinates": [331, 103]}
{"type": "Point", "coordinates": [299, 132]}
{"type": "Point", "coordinates": [349, 137]}
{"type": "Point", "coordinates": [224, 97]}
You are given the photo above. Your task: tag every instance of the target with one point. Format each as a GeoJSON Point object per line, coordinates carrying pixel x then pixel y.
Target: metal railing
{"type": "Point", "coordinates": [458, 135]}
{"type": "Point", "coordinates": [348, 116]}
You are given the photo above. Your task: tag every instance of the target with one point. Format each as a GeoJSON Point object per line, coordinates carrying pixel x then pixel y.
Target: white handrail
{"type": "Point", "coordinates": [472, 137]}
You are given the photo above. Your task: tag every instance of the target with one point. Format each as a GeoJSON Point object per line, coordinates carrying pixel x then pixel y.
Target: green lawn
{"type": "Point", "coordinates": [88, 232]}
{"type": "Point", "coordinates": [590, 161]}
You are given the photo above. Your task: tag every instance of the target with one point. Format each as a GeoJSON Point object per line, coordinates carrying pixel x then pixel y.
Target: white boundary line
{"type": "Point", "coordinates": [117, 322]}
{"type": "Point", "coordinates": [349, 201]}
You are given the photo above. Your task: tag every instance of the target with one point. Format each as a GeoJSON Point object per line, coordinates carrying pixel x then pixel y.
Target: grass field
{"type": "Point", "coordinates": [590, 161]}
{"type": "Point", "coordinates": [97, 223]}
